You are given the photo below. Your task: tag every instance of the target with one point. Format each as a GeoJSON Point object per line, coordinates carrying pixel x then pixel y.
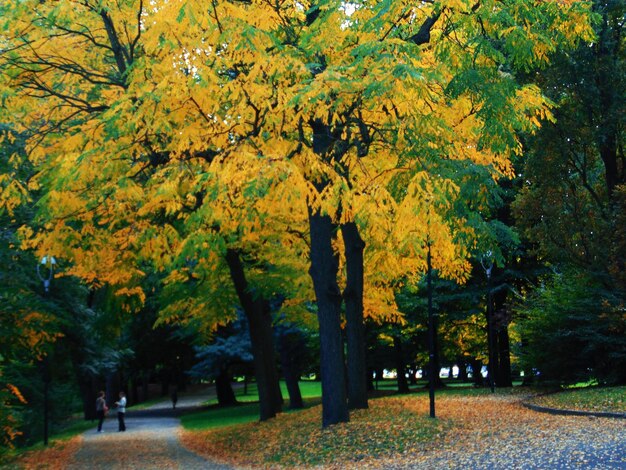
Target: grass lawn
{"type": "Point", "coordinates": [608, 399]}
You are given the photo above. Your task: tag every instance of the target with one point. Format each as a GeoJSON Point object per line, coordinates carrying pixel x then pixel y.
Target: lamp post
{"type": "Point", "coordinates": [50, 262]}
{"type": "Point", "coordinates": [487, 264]}
{"type": "Point", "coordinates": [432, 329]}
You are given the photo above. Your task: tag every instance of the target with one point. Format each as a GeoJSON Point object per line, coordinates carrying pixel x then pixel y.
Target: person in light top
{"type": "Point", "coordinates": [121, 411]}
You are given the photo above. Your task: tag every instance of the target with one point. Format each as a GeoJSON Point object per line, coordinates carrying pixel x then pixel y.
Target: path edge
{"type": "Point", "coordinates": [561, 411]}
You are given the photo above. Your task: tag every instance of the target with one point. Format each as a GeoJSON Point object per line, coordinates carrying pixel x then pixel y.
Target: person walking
{"type": "Point", "coordinates": [101, 409]}
{"type": "Point", "coordinates": [174, 398]}
{"type": "Point", "coordinates": [121, 412]}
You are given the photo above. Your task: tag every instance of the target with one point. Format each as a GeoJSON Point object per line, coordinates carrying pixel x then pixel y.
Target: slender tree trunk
{"type": "Point", "coordinates": [370, 380]}
{"type": "Point", "coordinates": [355, 331]}
{"type": "Point", "coordinates": [134, 389]}
{"type": "Point", "coordinates": [288, 348]}
{"type": "Point", "coordinates": [259, 317]}
{"type": "Point", "coordinates": [403, 385]}
{"type": "Point", "coordinates": [379, 376]}
{"type": "Point", "coordinates": [224, 389]}
{"type": "Point", "coordinates": [477, 376]}
{"type": "Point", "coordinates": [504, 363]}
{"type": "Point", "coordinates": [323, 271]}
{"type": "Point", "coordinates": [145, 386]}
{"type": "Point", "coordinates": [462, 365]}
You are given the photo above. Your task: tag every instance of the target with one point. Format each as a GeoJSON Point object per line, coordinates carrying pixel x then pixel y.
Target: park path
{"type": "Point", "coordinates": [498, 433]}
{"type": "Point", "coordinates": [149, 442]}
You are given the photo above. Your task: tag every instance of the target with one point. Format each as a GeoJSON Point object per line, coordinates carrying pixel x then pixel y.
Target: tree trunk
{"type": "Point", "coordinates": [323, 271]}
{"type": "Point", "coordinates": [288, 349]}
{"type": "Point", "coordinates": [134, 388]}
{"type": "Point", "coordinates": [145, 386]}
{"type": "Point", "coordinates": [355, 331]}
{"type": "Point", "coordinates": [370, 380]}
{"type": "Point", "coordinates": [224, 389]}
{"type": "Point", "coordinates": [504, 362]}
{"type": "Point", "coordinates": [379, 376]}
{"type": "Point", "coordinates": [259, 317]}
{"type": "Point", "coordinates": [477, 376]}
{"type": "Point", "coordinates": [403, 386]}
{"type": "Point", "coordinates": [462, 365]}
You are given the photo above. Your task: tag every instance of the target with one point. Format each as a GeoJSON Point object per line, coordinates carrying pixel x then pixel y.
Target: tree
{"type": "Point", "coordinates": [573, 331]}
{"type": "Point", "coordinates": [571, 203]}
{"type": "Point", "coordinates": [216, 360]}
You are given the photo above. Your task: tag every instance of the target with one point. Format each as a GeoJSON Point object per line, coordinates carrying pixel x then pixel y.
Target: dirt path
{"type": "Point", "coordinates": [150, 441]}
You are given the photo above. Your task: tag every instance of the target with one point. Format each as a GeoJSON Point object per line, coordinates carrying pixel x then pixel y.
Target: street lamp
{"type": "Point", "coordinates": [50, 262]}
{"type": "Point", "coordinates": [487, 264]}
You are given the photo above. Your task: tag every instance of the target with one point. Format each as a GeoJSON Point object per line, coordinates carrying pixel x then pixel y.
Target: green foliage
{"type": "Point", "coordinates": [573, 329]}
{"type": "Point", "coordinates": [232, 347]}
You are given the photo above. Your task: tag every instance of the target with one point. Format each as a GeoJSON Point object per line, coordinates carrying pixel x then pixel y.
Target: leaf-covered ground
{"type": "Point", "coordinates": [54, 457]}
{"type": "Point", "coordinates": [609, 399]}
{"type": "Point", "coordinates": [392, 425]}
{"type": "Point", "coordinates": [493, 432]}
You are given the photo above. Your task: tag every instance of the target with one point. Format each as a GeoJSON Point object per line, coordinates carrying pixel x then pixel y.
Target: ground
{"type": "Point", "coordinates": [474, 432]}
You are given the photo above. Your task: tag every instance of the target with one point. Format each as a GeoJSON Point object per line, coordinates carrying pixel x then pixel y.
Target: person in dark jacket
{"type": "Point", "coordinates": [101, 409]}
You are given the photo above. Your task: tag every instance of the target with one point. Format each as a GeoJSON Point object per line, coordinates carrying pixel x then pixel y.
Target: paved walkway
{"type": "Point", "coordinates": [150, 441]}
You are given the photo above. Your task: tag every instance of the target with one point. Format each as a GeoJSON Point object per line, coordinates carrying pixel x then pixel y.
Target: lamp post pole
{"type": "Point", "coordinates": [432, 328]}
{"type": "Point", "coordinates": [45, 368]}
{"type": "Point", "coordinates": [487, 263]}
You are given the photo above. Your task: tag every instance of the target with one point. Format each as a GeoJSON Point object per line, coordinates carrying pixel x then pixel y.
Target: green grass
{"type": "Point", "coordinates": [248, 409]}
{"type": "Point", "coordinates": [219, 417]}
{"type": "Point", "coordinates": [148, 403]}
{"type": "Point", "coordinates": [308, 389]}
{"type": "Point", "coordinates": [605, 399]}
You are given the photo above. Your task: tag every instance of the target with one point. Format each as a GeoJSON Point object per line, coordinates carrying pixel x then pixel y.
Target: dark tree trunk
{"type": "Point", "coordinates": [259, 317]}
{"type": "Point", "coordinates": [504, 362]}
{"type": "Point", "coordinates": [355, 331]}
{"type": "Point", "coordinates": [379, 376]}
{"type": "Point", "coordinates": [88, 394]}
{"type": "Point", "coordinates": [477, 376]}
{"type": "Point", "coordinates": [462, 365]}
{"type": "Point", "coordinates": [370, 380]}
{"type": "Point", "coordinates": [224, 389]}
{"type": "Point", "coordinates": [145, 386]}
{"type": "Point", "coordinates": [134, 389]}
{"type": "Point", "coordinates": [403, 386]}
{"type": "Point", "coordinates": [323, 271]}
{"type": "Point", "coordinates": [288, 345]}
